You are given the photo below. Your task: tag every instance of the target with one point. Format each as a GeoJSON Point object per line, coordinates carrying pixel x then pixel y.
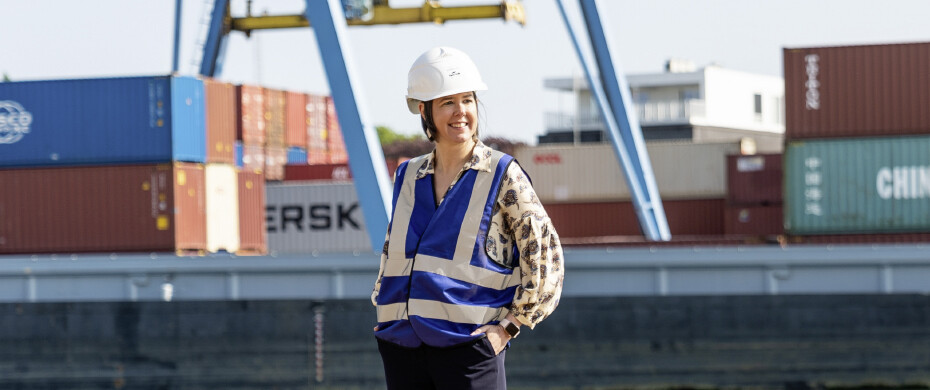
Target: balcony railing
{"type": "Point", "coordinates": [649, 113]}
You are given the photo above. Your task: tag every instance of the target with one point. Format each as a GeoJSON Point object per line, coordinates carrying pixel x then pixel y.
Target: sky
{"type": "Point", "coordinates": [55, 39]}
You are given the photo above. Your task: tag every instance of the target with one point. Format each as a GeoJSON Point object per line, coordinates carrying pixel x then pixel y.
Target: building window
{"type": "Point", "coordinates": [757, 103]}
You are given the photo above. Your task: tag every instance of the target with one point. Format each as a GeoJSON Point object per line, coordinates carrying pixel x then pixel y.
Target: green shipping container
{"type": "Point", "coordinates": [864, 185]}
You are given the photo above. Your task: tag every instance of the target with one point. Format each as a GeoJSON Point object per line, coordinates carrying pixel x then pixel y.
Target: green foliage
{"type": "Point", "coordinates": [388, 136]}
{"type": "Point", "coordinates": [6, 78]}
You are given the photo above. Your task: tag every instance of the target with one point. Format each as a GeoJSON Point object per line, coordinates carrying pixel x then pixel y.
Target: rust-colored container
{"type": "Point", "coordinates": [335, 143]}
{"type": "Point", "coordinates": [126, 208]}
{"type": "Point", "coordinates": [274, 118]}
{"type": "Point", "coordinates": [857, 91]}
{"type": "Point", "coordinates": [685, 217]}
{"type": "Point", "coordinates": [220, 120]}
{"type": "Point", "coordinates": [295, 133]}
{"type": "Point", "coordinates": [253, 158]}
{"type": "Point", "coordinates": [253, 237]}
{"type": "Point", "coordinates": [275, 160]}
{"type": "Point", "coordinates": [754, 220]}
{"type": "Point", "coordinates": [327, 172]}
{"type": "Point", "coordinates": [755, 179]}
{"type": "Point", "coordinates": [317, 144]}
{"type": "Point", "coordinates": [250, 108]}
{"type": "Point", "coordinates": [860, 238]}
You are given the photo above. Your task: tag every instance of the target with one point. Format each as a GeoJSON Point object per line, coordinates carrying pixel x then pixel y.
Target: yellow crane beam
{"type": "Point", "coordinates": [382, 13]}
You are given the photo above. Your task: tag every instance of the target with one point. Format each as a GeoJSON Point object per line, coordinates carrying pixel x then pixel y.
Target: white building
{"type": "Point", "coordinates": [711, 104]}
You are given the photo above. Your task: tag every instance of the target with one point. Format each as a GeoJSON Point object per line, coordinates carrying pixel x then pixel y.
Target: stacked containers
{"type": "Point", "coordinates": [250, 129]}
{"type": "Point", "coordinates": [220, 118]}
{"type": "Point", "coordinates": [335, 144]}
{"type": "Point", "coordinates": [856, 160]}
{"type": "Point", "coordinates": [252, 229]}
{"type": "Point", "coordinates": [317, 144]}
{"type": "Point", "coordinates": [65, 149]}
{"type": "Point", "coordinates": [275, 141]}
{"type": "Point", "coordinates": [585, 192]}
{"type": "Point", "coordinates": [754, 195]}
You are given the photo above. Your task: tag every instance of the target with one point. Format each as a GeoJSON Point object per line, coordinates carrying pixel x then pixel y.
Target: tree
{"type": "Point", "coordinates": [388, 136]}
{"type": "Point", "coordinates": [6, 78]}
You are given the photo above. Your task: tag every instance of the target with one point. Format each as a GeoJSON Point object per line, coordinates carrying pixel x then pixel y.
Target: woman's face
{"type": "Point", "coordinates": [455, 117]}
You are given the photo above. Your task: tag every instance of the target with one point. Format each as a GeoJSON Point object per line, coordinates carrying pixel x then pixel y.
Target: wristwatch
{"type": "Point", "coordinates": [512, 329]}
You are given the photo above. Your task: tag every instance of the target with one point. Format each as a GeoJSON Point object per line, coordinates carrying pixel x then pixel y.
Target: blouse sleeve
{"type": "Point", "coordinates": [541, 271]}
{"type": "Point", "coordinates": [374, 292]}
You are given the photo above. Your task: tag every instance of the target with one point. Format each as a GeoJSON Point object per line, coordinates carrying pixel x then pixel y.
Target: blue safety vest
{"type": "Point", "coordinates": [438, 283]}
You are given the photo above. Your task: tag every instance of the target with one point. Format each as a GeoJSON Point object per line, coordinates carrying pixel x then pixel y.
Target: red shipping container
{"type": "Point", "coordinates": [253, 158]}
{"type": "Point", "coordinates": [755, 179]}
{"type": "Point", "coordinates": [296, 120]}
{"type": "Point", "coordinates": [250, 104]}
{"type": "Point", "coordinates": [253, 237]}
{"type": "Point", "coordinates": [126, 208]}
{"type": "Point", "coordinates": [274, 118]}
{"type": "Point", "coordinates": [220, 120]}
{"type": "Point", "coordinates": [327, 172]}
{"type": "Point", "coordinates": [317, 144]}
{"type": "Point", "coordinates": [275, 160]}
{"type": "Point", "coordinates": [861, 238]}
{"type": "Point", "coordinates": [685, 217]}
{"type": "Point", "coordinates": [335, 143]}
{"type": "Point", "coordinates": [754, 220]}
{"type": "Point", "coordinates": [857, 91]}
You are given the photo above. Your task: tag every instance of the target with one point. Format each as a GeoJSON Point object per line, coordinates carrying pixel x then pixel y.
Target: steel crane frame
{"type": "Point", "coordinates": [365, 156]}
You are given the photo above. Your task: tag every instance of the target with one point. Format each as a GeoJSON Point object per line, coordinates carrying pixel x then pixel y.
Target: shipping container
{"type": "Point", "coordinates": [222, 199]}
{"type": "Point", "coordinates": [102, 121]}
{"type": "Point", "coordinates": [317, 143]}
{"type": "Point", "coordinates": [274, 118]}
{"type": "Point", "coordinates": [335, 143]}
{"type": "Point", "coordinates": [754, 220]}
{"type": "Point", "coordinates": [296, 120]}
{"type": "Point", "coordinates": [315, 218]}
{"type": "Point", "coordinates": [121, 208]}
{"type": "Point", "coordinates": [899, 238]}
{"type": "Point", "coordinates": [220, 103]}
{"type": "Point", "coordinates": [862, 185]}
{"type": "Point", "coordinates": [250, 107]}
{"type": "Point", "coordinates": [855, 91]}
{"type": "Point", "coordinates": [754, 180]}
{"type": "Point", "coordinates": [253, 158]}
{"type": "Point", "coordinates": [237, 151]}
{"type": "Point", "coordinates": [573, 174]}
{"type": "Point", "coordinates": [323, 172]}
{"type": "Point", "coordinates": [275, 160]}
{"type": "Point", "coordinates": [596, 219]}
{"type": "Point", "coordinates": [296, 156]}
{"type": "Point", "coordinates": [252, 229]}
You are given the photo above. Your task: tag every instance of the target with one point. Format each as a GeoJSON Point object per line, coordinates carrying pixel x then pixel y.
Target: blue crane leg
{"type": "Point", "coordinates": [366, 158]}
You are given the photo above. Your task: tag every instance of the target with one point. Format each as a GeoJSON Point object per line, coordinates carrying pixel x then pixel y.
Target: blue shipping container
{"type": "Point", "coordinates": [102, 121]}
{"type": "Point", "coordinates": [296, 155]}
{"type": "Point", "coordinates": [237, 153]}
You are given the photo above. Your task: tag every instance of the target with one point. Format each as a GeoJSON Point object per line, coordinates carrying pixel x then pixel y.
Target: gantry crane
{"type": "Point", "coordinates": [329, 18]}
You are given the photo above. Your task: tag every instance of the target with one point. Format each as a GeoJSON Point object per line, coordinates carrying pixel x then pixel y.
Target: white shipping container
{"type": "Point", "coordinates": [314, 218]}
{"type": "Point", "coordinates": [222, 201]}
{"type": "Point", "coordinates": [591, 173]}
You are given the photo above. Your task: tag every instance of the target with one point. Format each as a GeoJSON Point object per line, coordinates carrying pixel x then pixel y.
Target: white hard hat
{"type": "Point", "coordinates": [441, 71]}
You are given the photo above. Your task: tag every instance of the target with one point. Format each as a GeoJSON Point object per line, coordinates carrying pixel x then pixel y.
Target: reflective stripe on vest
{"type": "Point", "coordinates": [438, 284]}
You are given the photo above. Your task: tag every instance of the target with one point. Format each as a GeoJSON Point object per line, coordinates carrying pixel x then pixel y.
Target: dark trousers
{"type": "Point", "coordinates": [465, 367]}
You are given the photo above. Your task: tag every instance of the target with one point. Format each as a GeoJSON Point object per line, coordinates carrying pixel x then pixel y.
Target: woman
{"type": "Point", "coordinates": [470, 254]}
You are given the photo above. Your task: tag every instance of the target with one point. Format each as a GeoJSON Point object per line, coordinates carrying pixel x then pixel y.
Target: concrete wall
{"type": "Point", "coordinates": [768, 342]}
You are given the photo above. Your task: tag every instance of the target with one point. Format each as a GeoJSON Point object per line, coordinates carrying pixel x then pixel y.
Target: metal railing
{"type": "Point", "coordinates": [661, 112]}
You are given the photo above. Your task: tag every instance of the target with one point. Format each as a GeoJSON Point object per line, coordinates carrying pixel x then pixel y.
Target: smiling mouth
{"type": "Point", "coordinates": [458, 125]}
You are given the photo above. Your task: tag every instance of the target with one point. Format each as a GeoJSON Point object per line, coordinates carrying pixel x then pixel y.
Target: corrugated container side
{"type": "Point", "coordinates": [317, 140]}
{"type": "Point", "coordinates": [102, 121]}
{"type": "Point", "coordinates": [311, 218]}
{"type": "Point", "coordinates": [250, 123]}
{"type": "Point", "coordinates": [252, 230]}
{"type": "Point", "coordinates": [296, 120]}
{"type": "Point", "coordinates": [861, 238]}
{"type": "Point", "coordinates": [275, 160]}
{"type": "Point", "coordinates": [274, 118]}
{"type": "Point", "coordinates": [685, 217]}
{"type": "Point", "coordinates": [855, 91]}
{"type": "Point", "coordinates": [253, 158]}
{"type": "Point", "coordinates": [335, 143]}
{"type": "Point", "coordinates": [755, 179]}
{"type": "Point", "coordinates": [222, 208]}
{"type": "Point", "coordinates": [864, 185]}
{"type": "Point", "coordinates": [126, 208]}
{"type": "Point", "coordinates": [754, 220]}
{"type": "Point", "coordinates": [326, 172]}
{"type": "Point", "coordinates": [221, 117]}
{"type": "Point", "coordinates": [296, 156]}
{"type": "Point", "coordinates": [574, 174]}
